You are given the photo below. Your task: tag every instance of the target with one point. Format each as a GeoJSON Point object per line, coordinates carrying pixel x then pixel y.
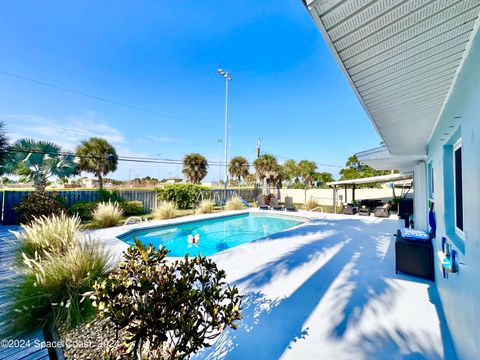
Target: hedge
{"type": "Point", "coordinates": [183, 195]}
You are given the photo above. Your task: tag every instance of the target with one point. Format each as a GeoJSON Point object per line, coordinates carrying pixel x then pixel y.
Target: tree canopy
{"type": "Point", "coordinates": [238, 168]}
{"type": "Point", "coordinates": [97, 156]}
{"type": "Point", "coordinates": [306, 169]}
{"type": "Point", "coordinates": [195, 167]}
{"type": "Point", "coordinates": [37, 161]}
{"type": "Point", "coordinates": [290, 170]}
{"type": "Point", "coordinates": [3, 145]}
{"type": "Point", "coordinates": [323, 178]}
{"type": "Point", "coordinates": [354, 169]}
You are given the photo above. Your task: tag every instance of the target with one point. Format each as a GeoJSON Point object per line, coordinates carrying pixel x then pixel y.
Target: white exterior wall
{"type": "Point", "coordinates": [325, 196]}
{"type": "Point", "coordinates": [460, 293]}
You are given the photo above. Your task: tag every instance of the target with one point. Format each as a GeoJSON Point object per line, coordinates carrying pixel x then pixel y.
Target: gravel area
{"type": "Point", "coordinates": [94, 342]}
{"type": "Point", "coordinates": [84, 343]}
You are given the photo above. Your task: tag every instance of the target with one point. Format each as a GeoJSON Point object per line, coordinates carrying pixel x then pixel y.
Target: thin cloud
{"type": "Point", "coordinates": [66, 132]}
{"type": "Point", "coordinates": [151, 139]}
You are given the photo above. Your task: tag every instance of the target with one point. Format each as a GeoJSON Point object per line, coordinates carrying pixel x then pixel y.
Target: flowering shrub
{"type": "Point", "coordinates": [175, 307]}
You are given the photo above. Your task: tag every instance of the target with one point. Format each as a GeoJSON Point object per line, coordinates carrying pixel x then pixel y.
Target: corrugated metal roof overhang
{"type": "Point", "coordinates": [401, 58]}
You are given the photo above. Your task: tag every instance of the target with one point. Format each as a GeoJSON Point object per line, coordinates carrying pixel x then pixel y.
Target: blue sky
{"type": "Point", "coordinates": [163, 56]}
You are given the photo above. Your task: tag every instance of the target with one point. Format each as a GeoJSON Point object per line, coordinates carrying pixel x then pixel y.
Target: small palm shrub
{"type": "Point", "coordinates": [234, 204]}
{"type": "Point", "coordinates": [107, 214]}
{"type": "Point", "coordinates": [166, 307]}
{"type": "Point", "coordinates": [165, 210]}
{"type": "Point", "coordinates": [205, 207]}
{"type": "Point", "coordinates": [54, 234]}
{"type": "Point", "coordinates": [311, 204]}
{"type": "Point", "coordinates": [37, 204]}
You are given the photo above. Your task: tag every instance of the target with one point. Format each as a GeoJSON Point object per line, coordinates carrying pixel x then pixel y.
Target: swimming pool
{"type": "Point", "coordinates": [215, 235]}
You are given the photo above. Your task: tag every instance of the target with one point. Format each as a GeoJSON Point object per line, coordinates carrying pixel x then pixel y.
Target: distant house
{"type": "Point", "coordinates": [415, 68]}
{"type": "Point", "coordinates": [173, 181]}
{"type": "Point", "coordinates": [92, 183]}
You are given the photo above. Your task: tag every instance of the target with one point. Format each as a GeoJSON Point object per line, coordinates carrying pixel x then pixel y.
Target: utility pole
{"type": "Point", "coordinates": [228, 78]}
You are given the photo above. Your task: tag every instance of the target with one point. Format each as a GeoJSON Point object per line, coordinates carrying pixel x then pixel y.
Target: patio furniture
{"type": "Point", "coordinates": [348, 209]}
{"type": "Point", "coordinates": [414, 250]}
{"type": "Point", "coordinates": [364, 211]}
{"type": "Point", "coordinates": [261, 202]}
{"type": "Point", "coordinates": [414, 257]}
{"type": "Point", "coordinates": [381, 211]}
{"type": "Point", "coordinates": [289, 204]}
{"type": "Point", "coordinates": [274, 204]}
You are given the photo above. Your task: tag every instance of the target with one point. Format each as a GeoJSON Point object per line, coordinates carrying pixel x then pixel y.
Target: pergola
{"type": "Point", "coordinates": [368, 180]}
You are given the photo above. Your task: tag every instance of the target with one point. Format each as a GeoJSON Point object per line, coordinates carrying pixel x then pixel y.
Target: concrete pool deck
{"type": "Point", "coordinates": [325, 289]}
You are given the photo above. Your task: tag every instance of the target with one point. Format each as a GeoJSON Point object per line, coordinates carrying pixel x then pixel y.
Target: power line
{"type": "Point", "coordinates": [111, 101]}
{"type": "Point", "coordinates": [127, 158]}
{"type": "Point", "coordinates": [129, 106]}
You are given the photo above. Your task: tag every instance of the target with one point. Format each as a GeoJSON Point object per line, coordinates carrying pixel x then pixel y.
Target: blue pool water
{"type": "Point", "coordinates": [215, 234]}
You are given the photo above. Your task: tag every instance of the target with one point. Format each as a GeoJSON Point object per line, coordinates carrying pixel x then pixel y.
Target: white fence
{"type": "Point", "coordinates": [325, 196]}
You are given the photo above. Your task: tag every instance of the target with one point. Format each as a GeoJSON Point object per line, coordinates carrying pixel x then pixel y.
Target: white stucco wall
{"type": "Point", "coordinates": [460, 293]}
{"type": "Point", "coordinates": [325, 196]}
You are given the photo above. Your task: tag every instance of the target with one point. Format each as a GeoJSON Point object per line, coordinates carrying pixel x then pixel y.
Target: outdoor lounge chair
{"type": "Point", "coordinates": [383, 211]}
{"type": "Point", "coordinates": [274, 204]}
{"type": "Point", "coordinates": [261, 202]}
{"type": "Point", "coordinates": [364, 211]}
{"type": "Point", "coordinates": [349, 209]}
{"type": "Point", "coordinates": [289, 204]}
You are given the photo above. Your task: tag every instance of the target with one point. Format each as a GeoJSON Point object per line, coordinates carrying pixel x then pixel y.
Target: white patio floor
{"type": "Point", "coordinates": [324, 289]}
{"type": "Point", "coordinates": [328, 289]}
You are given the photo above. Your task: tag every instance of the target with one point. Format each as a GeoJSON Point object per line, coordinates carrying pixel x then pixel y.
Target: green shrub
{"type": "Point", "coordinates": [165, 210]}
{"type": "Point", "coordinates": [106, 196]}
{"type": "Point", "coordinates": [205, 207]}
{"type": "Point", "coordinates": [234, 204]}
{"type": "Point", "coordinates": [176, 307]}
{"type": "Point", "coordinates": [183, 195]}
{"type": "Point", "coordinates": [107, 214]}
{"type": "Point", "coordinates": [39, 203]}
{"type": "Point", "coordinates": [54, 234]}
{"type": "Point", "coordinates": [131, 208]}
{"type": "Point", "coordinates": [83, 209]}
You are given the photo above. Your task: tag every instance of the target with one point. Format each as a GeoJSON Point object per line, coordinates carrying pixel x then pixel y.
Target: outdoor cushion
{"type": "Point", "coordinates": [415, 235]}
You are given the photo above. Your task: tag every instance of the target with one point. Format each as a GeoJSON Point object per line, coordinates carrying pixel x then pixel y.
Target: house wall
{"type": "Point", "coordinates": [460, 292]}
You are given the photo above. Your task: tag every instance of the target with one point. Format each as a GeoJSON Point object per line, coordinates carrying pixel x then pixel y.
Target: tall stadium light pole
{"type": "Point", "coordinates": [227, 77]}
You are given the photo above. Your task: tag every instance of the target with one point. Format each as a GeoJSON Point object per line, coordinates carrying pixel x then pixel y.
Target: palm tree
{"type": "Point", "coordinates": [97, 156]}
{"type": "Point", "coordinates": [306, 169]}
{"type": "Point", "coordinates": [3, 146]}
{"type": "Point", "coordinates": [266, 167]}
{"type": "Point", "coordinates": [290, 170]}
{"type": "Point", "coordinates": [36, 161]}
{"type": "Point", "coordinates": [238, 168]}
{"type": "Point", "coordinates": [195, 167]}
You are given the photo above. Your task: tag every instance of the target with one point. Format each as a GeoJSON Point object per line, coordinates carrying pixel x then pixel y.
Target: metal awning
{"type": "Point", "coordinates": [401, 59]}
{"type": "Point", "coordinates": [367, 180]}
{"type": "Point", "coordinates": [372, 180]}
